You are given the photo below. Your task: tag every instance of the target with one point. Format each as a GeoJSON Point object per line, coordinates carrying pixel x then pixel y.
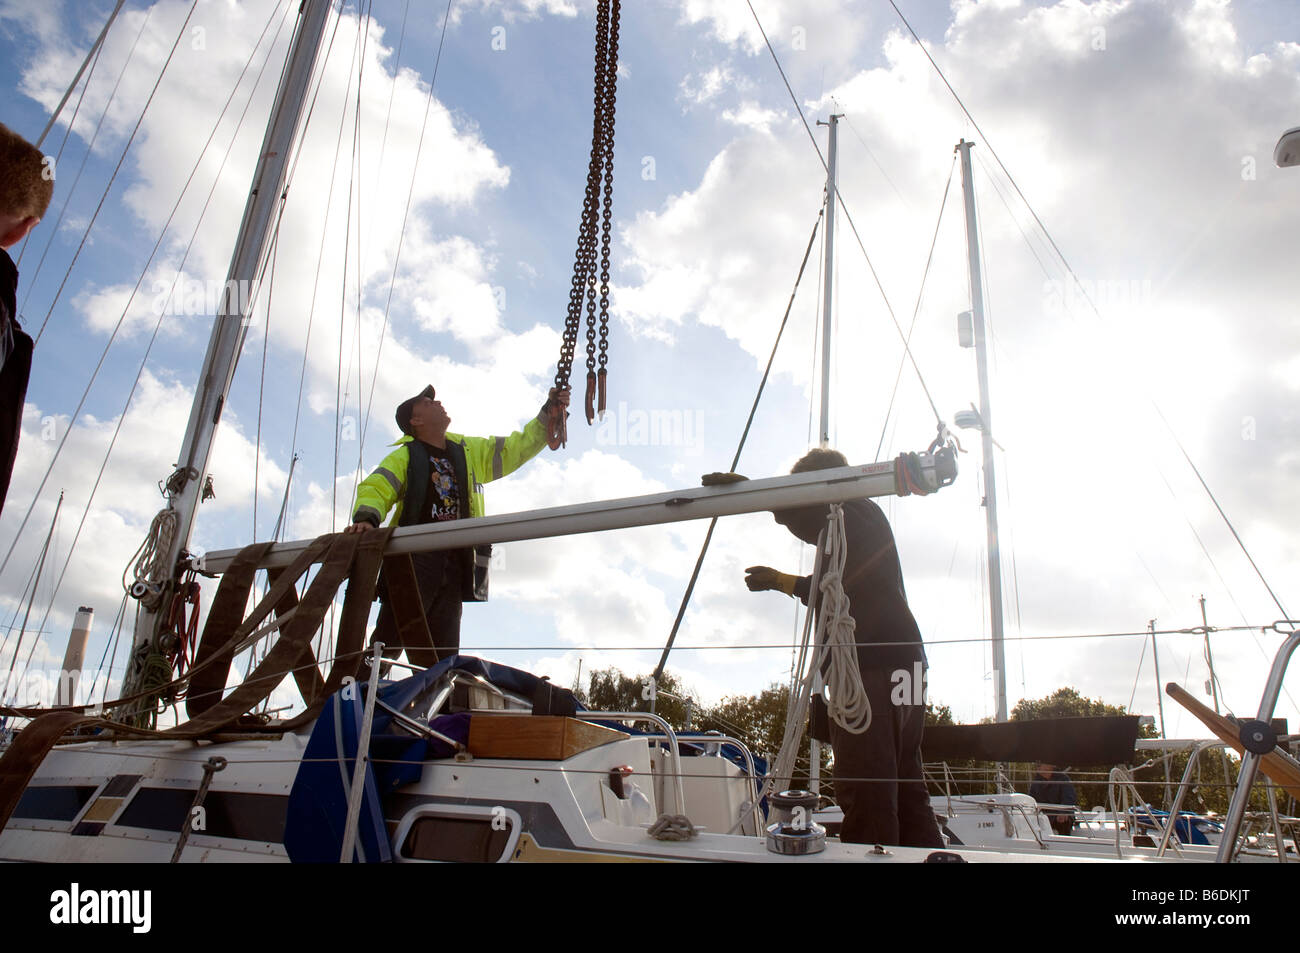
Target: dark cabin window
{"type": "Point", "coordinates": [457, 839]}
{"type": "Point", "coordinates": [54, 802]}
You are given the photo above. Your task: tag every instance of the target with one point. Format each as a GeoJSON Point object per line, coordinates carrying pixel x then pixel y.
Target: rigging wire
{"type": "Point", "coordinates": [320, 255]}
{"type": "Point", "coordinates": [401, 235]}
{"type": "Point", "coordinates": [735, 461]}
{"type": "Point", "coordinates": [118, 168]}
{"type": "Point", "coordinates": [273, 257]}
{"type": "Point", "coordinates": [113, 337]}
{"type": "Point", "coordinates": [1137, 675]}
{"type": "Point", "coordinates": [1088, 298]}
{"type": "Point", "coordinates": [40, 565]}
{"type": "Point", "coordinates": [112, 641]}
{"type": "Point", "coordinates": [162, 311]}
{"type": "Point", "coordinates": [92, 52]}
{"type": "Point", "coordinates": [67, 201]}
{"type": "Point", "coordinates": [354, 179]}
{"type": "Point", "coordinates": [146, 553]}
{"type": "Point", "coordinates": [920, 296]}
{"type": "Point", "coordinates": [63, 143]}
{"type": "Point", "coordinates": [849, 122]}
{"type": "Point", "coordinates": [340, 395]}
{"type": "Point", "coordinates": [847, 215]}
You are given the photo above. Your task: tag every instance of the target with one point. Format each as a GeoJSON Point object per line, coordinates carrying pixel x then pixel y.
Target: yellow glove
{"type": "Point", "coordinates": [762, 578]}
{"type": "Point", "coordinates": [721, 479]}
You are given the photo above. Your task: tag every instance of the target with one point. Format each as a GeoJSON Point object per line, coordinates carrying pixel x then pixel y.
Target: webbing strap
{"type": "Point", "coordinates": [352, 622]}
{"type": "Point", "coordinates": [305, 672]}
{"type": "Point", "coordinates": [208, 679]}
{"type": "Point", "coordinates": [407, 605]}
{"type": "Point", "coordinates": [28, 751]}
{"type": "Point", "coordinates": [294, 635]}
{"type": "Point", "coordinates": [362, 554]}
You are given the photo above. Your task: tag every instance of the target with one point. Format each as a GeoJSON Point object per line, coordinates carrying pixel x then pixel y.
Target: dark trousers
{"type": "Point", "coordinates": [440, 595]}
{"type": "Point", "coordinates": [878, 773]}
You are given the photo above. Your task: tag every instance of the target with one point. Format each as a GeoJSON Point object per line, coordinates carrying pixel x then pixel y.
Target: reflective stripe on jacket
{"type": "Point", "coordinates": [486, 459]}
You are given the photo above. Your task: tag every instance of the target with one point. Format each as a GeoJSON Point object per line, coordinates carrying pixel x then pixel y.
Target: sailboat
{"type": "Point", "coordinates": [491, 763]}
{"type": "Point", "coordinates": [582, 804]}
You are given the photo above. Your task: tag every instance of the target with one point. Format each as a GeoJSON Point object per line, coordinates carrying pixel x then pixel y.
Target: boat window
{"type": "Point", "coordinates": [257, 817]}
{"type": "Point", "coordinates": [60, 802]}
{"type": "Point", "coordinates": [458, 839]}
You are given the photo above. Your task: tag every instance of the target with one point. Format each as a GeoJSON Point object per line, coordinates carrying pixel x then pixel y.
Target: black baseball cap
{"type": "Point", "coordinates": [404, 409]}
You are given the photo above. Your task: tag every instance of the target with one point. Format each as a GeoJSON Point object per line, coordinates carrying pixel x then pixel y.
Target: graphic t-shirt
{"type": "Point", "coordinates": [443, 501]}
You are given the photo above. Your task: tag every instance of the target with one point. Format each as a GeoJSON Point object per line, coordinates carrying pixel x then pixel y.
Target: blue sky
{"type": "Point", "coordinates": [1142, 133]}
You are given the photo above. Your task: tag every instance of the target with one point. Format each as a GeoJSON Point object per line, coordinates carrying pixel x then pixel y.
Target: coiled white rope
{"type": "Point", "coordinates": [836, 637]}
{"type": "Point", "coordinates": [835, 640]}
{"type": "Point", "coordinates": [148, 564]}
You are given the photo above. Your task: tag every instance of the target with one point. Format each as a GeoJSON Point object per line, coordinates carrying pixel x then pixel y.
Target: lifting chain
{"type": "Point", "coordinates": [600, 189]}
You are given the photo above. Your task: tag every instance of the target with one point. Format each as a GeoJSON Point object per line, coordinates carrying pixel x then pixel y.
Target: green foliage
{"type": "Point", "coordinates": [1068, 703]}
{"type": "Point", "coordinates": [938, 715]}
{"type": "Point", "coordinates": [613, 690]}
{"type": "Point", "coordinates": [759, 721]}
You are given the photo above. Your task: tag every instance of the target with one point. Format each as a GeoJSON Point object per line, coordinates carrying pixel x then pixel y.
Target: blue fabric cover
{"type": "Point", "coordinates": [318, 800]}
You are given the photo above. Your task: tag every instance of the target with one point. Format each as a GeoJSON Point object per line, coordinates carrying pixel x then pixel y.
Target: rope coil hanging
{"type": "Point", "coordinates": [597, 206]}
{"type": "Point", "coordinates": [831, 649]}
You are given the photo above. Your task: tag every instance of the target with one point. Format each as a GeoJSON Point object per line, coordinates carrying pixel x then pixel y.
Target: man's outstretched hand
{"type": "Point", "coordinates": [721, 479]}
{"type": "Point", "coordinates": [763, 578]}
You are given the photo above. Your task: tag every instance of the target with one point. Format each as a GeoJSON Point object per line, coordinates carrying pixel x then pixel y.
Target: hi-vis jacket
{"type": "Point", "coordinates": [485, 459]}
{"type": "Point", "coordinates": [401, 483]}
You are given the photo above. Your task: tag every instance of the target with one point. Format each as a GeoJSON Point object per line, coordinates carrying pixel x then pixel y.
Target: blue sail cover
{"type": "Point", "coordinates": [318, 801]}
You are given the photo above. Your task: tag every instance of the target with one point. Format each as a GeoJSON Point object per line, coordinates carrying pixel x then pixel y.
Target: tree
{"type": "Point", "coordinates": [759, 721]}
{"type": "Point", "coordinates": [612, 690]}
{"type": "Point", "coordinates": [1066, 702]}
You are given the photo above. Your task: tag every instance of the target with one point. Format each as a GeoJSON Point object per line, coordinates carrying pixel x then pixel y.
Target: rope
{"type": "Point", "coordinates": [833, 651]}
{"type": "Point", "coordinates": [849, 706]}
{"type": "Point", "coordinates": [672, 827]}
{"type": "Point", "coordinates": [149, 567]}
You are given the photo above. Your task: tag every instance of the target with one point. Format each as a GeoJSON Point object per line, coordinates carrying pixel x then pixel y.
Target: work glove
{"type": "Point", "coordinates": [763, 578]}
{"type": "Point", "coordinates": [721, 479]}
{"type": "Point", "coordinates": [555, 398]}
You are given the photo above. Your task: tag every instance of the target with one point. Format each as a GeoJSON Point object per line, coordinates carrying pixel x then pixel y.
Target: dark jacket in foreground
{"type": "Point", "coordinates": [887, 633]}
{"type": "Point", "coordinates": [15, 368]}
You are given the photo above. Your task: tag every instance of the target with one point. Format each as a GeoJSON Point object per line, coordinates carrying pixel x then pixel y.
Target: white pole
{"type": "Point", "coordinates": [986, 434]}
{"type": "Point", "coordinates": [230, 325]}
{"type": "Point", "coordinates": [749, 496]}
{"type": "Point", "coordinates": [828, 264]}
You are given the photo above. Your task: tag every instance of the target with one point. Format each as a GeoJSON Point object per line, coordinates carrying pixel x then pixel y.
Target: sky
{"type": "Point", "coordinates": [1131, 140]}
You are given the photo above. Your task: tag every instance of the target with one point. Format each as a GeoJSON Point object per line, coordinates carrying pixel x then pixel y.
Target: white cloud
{"type": "Point", "coordinates": [1133, 154]}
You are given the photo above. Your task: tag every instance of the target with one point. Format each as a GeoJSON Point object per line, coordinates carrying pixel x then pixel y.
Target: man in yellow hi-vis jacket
{"type": "Point", "coordinates": [434, 476]}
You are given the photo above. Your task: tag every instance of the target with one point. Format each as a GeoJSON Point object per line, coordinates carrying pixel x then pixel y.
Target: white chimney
{"type": "Point", "coordinates": [74, 658]}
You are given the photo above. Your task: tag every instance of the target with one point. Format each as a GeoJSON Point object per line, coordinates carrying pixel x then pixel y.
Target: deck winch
{"type": "Point", "coordinates": [794, 831]}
